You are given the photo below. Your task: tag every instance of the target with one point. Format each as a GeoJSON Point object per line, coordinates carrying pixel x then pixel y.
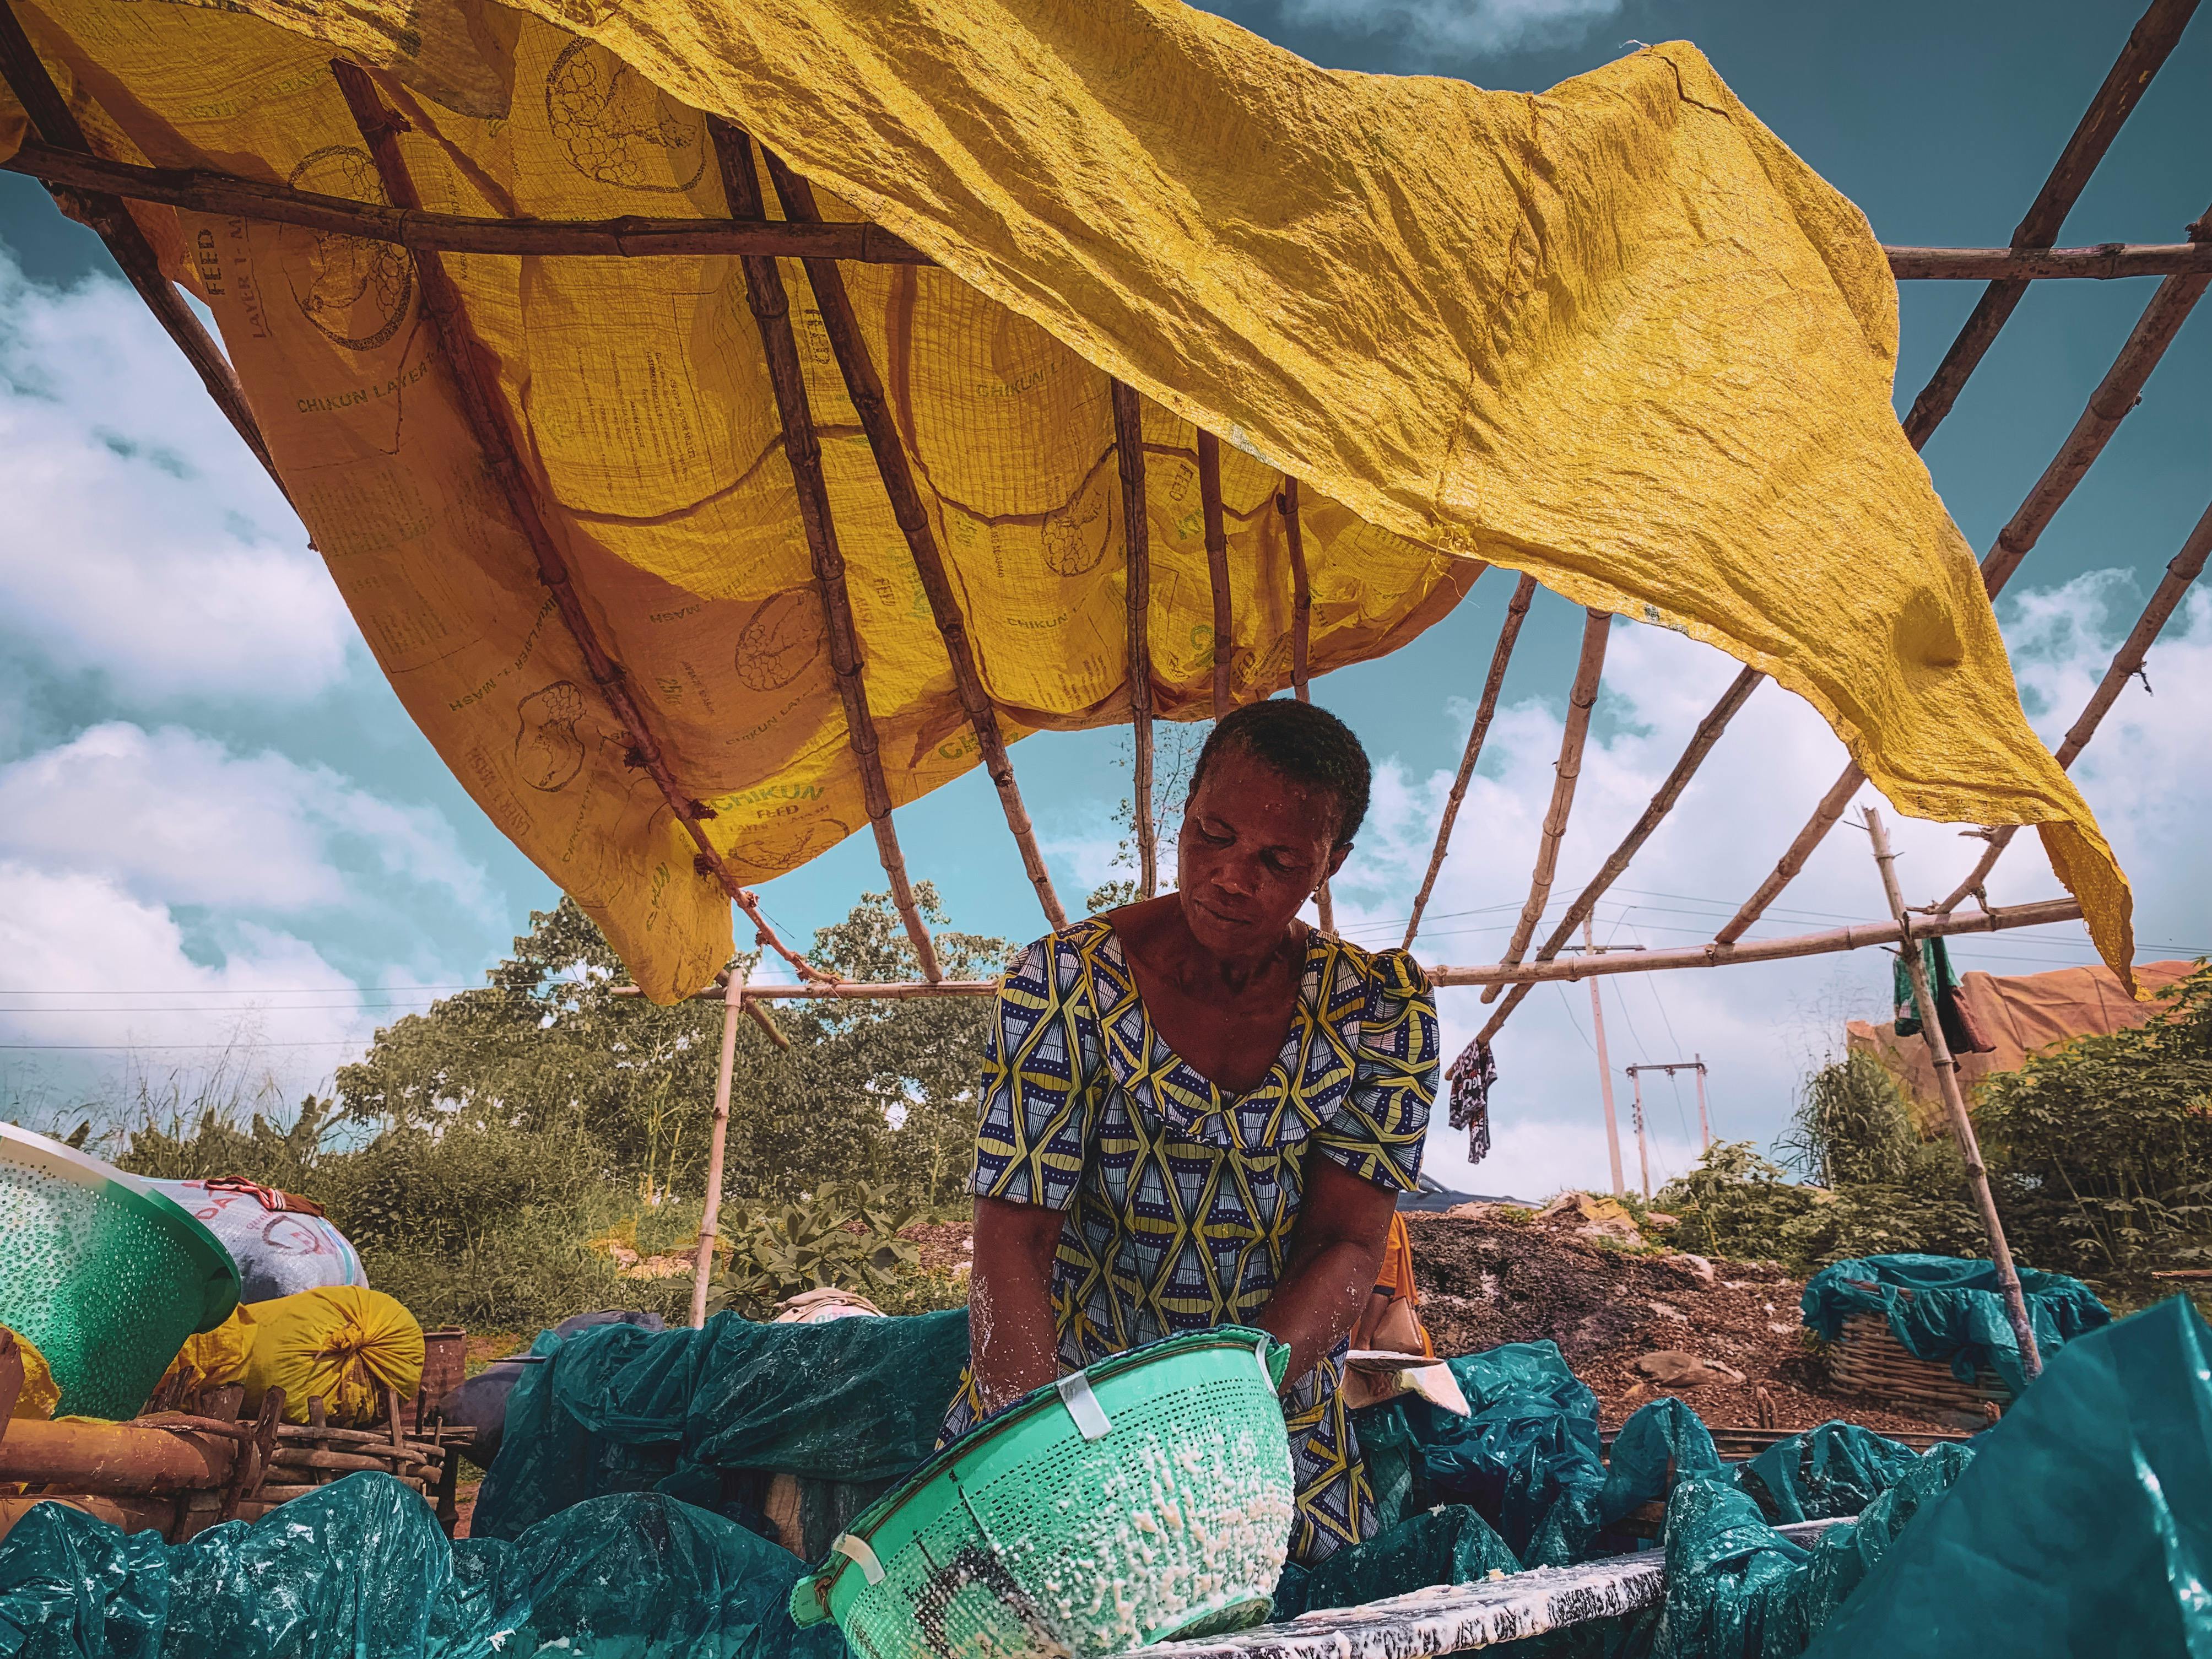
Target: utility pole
{"type": "Point", "coordinates": [1642, 1150]}
{"type": "Point", "coordinates": [1605, 1075]}
{"type": "Point", "coordinates": [1695, 1063]}
{"type": "Point", "coordinates": [1954, 1101]}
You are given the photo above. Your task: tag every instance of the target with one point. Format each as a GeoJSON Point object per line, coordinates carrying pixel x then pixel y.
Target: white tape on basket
{"type": "Point", "coordinates": [1091, 1419]}
{"type": "Point", "coordinates": [856, 1551]}
{"type": "Point", "coordinates": [1260, 1353]}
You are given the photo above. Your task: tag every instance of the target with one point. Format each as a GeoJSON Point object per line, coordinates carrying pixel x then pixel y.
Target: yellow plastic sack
{"type": "Point", "coordinates": [343, 1343]}
{"type": "Point", "coordinates": [1616, 335]}
{"type": "Point", "coordinates": [40, 1394]}
{"type": "Point", "coordinates": [211, 1358]}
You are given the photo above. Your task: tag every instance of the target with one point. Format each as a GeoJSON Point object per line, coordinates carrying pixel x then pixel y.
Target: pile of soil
{"type": "Point", "coordinates": [945, 1247]}
{"type": "Point", "coordinates": [1487, 1275]}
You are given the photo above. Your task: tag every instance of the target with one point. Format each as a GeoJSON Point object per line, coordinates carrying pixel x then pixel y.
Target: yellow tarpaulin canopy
{"type": "Point", "coordinates": [1616, 336]}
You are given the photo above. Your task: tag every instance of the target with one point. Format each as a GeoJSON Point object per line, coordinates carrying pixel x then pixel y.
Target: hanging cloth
{"type": "Point", "coordinates": [1954, 1016]}
{"type": "Point", "coordinates": [1471, 1077]}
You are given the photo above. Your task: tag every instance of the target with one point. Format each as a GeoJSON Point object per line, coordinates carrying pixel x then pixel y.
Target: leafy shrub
{"type": "Point", "coordinates": [1853, 1124]}
{"type": "Point", "coordinates": [845, 1235]}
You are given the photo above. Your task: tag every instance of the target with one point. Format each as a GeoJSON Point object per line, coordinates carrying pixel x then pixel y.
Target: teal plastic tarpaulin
{"type": "Point", "coordinates": [1527, 1458]}
{"type": "Point", "coordinates": [616, 1408]}
{"type": "Point", "coordinates": [1947, 1309]}
{"type": "Point", "coordinates": [359, 1571]}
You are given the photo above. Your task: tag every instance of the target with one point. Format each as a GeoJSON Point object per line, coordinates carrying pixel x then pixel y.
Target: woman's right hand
{"type": "Point", "coordinates": [1012, 1346]}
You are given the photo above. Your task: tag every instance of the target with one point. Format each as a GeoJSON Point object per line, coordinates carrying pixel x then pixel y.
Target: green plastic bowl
{"type": "Point", "coordinates": [1148, 1497]}
{"type": "Point", "coordinates": [105, 1275]}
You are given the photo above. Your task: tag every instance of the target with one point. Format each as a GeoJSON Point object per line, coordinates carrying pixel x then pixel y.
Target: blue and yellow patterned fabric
{"type": "Point", "coordinates": [1179, 1196]}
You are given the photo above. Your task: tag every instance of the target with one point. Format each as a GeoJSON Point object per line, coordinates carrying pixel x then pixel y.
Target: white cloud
{"type": "Point", "coordinates": [174, 818]}
{"type": "Point", "coordinates": [1758, 1026]}
{"type": "Point", "coordinates": [141, 540]}
{"type": "Point", "coordinates": [1457, 25]}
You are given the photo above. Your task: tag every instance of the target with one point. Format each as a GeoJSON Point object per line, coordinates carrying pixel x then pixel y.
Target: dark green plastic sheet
{"type": "Point", "coordinates": [1947, 1309]}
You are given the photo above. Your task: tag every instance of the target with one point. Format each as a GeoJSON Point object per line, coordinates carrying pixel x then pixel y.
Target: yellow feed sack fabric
{"type": "Point", "coordinates": [213, 1359]}
{"type": "Point", "coordinates": [343, 1343]}
{"type": "Point", "coordinates": [40, 1394]}
{"type": "Point", "coordinates": [1617, 336]}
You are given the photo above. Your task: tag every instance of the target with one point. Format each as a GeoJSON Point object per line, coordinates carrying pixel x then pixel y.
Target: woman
{"type": "Point", "coordinates": [1198, 1111]}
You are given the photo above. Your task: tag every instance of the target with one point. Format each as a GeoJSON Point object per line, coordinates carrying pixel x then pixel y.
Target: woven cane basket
{"type": "Point", "coordinates": [1869, 1359]}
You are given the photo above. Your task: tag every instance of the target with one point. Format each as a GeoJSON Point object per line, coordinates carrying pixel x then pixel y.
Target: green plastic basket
{"type": "Point", "coordinates": [103, 1273]}
{"type": "Point", "coordinates": [1147, 1498]}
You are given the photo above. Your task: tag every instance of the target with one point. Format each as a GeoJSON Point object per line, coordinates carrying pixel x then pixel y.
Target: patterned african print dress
{"type": "Point", "coordinates": [1179, 1196]}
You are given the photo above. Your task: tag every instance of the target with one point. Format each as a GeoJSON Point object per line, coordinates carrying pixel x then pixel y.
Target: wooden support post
{"type": "Point", "coordinates": [866, 388]}
{"type": "Point", "coordinates": [58, 126]}
{"type": "Point", "coordinates": [1605, 1077]}
{"type": "Point", "coordinates": [1216, 566]}
{"type": "Point", "coordinates": [702, 1272]}
{"type": "Point", "coordinates": [1516, 609]}
{"type": "Point", "coordinates": [771, 309]}
{"type": "Point", "coordinates": [475, 380]}
{"type": "Point", "coordinates": [2127, 662]}
{"type": "Point", "coordinates": [1286, 503]}
{"type": "Point", "coordinates": [1643, 1148]}
{"type": "Point", "coordinates": [1954, 1100]}
{"type": "Point", "coordinates": [1597, 625]}
{"type": "Point", "coordinates": [1136, 543]}
{"type": "Point", "coordinates": [2153, 38]}
{"type": "Point", "coordinates": [1704, 1123]}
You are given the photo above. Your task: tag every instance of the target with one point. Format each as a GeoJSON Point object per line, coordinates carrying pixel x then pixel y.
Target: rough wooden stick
{"type": "Point", "coordinates": [2187, 565]}
{"type": "Point", "coordinates": [2109, 404]}
{"type": "Point", "coordinates": [51, 118]}
{"type": "Point", "coordinates": [702, 1269]}
{"type": "Point", "coordinates": [866, 388]}
{"type": "Point", "coordinates": [2102, 263]}
{"type": "Point", "coordinates": [1136, 544]}
{"type": "Point", "coordinates": [1661, 803]}
{"type": "Point", "coordinates": [1294, 536]}
{"type": "Point", "coordinates": [628, 237]}
{"type": "Point", "coordinates": [1582, 696]}
{"type": "Point", "coordinates": [1857, 937]}
{"type": "Point", "coordinates": [1516, 609]}
{"type": "Point", "coordinates": [802, 447]}
{"type": "Point", "coordinates": [1216, 565]}
{"type": "Point", "coordinates": [1954, 1101]}
{"type": "Point", "coordinates": [2153, 38]}
{"type": "Point", "coordinates": [476, 381]}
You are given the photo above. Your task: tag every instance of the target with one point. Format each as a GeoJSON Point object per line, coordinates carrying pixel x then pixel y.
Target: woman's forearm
{"type": "Point", "coordinates": [1319, 1300]}
{"type": "Point", "coordinates": [1013, 1345]}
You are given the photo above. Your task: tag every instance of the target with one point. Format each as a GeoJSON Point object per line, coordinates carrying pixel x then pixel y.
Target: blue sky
{"type": "Point", "coordinates": [216, 820]}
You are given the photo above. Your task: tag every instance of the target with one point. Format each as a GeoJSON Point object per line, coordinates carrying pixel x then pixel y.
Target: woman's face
{"type": "Point", "coordinates": [1253, 846]}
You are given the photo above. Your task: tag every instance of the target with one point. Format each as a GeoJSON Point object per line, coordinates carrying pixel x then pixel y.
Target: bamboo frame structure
{"type": "Point", "coordinates": [2127, 662]}
{"type": "Point", "coordinates": [475, 382]}
{"type": "Point", "coordinates": [1954, 1101]}
{"type": "Point", "coordinates": [865, 389]}
{"type": "Point", "coordinates": [703, 1267]}
{"type": "Point", "coordinates": [1661, 803]}
{"type": "Point", "coordinates": [1294, 540]}
{"type": "Point", "coordinates": [1216, 567]}
{"type": "Point", "coordinates": [1136, 542]}
{"type": "Point", "coordinates": [1582, 697]}
{"type": "Point", "coordinates": [802, 447]}
{"type": "Point", "coordinates": [2113, 400]}
{"type": "Point", "coordinates": [64, 138]}
{"type": "Point", "coordinates": [2148, 45]}
{"type": "Point", "coordinates": [1509, 631]}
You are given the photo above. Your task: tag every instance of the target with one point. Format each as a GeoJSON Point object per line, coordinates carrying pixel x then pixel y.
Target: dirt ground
{"type": "Point", "coordinates": [1484, 1279]}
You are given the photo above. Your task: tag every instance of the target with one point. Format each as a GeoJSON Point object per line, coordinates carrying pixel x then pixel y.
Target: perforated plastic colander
{"type": "Point", "coordinates": [1150, 1497]}
{"type": "Point", "coordinates": [107, 1277]}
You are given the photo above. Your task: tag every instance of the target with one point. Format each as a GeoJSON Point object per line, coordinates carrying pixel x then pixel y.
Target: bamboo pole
{"type": "Point", "coordinates": [2116, 395]}
{"type": "Point", "coordinates": [1516, 609]}
{"type": "Point", "coordinates": [2148, 43]}
{"type": "Point", "coordinates": [475, 377]}
{"type": "Point", "coordinates": [1582, 696]}
{"type": "Point", "coordinates": [1661, 803]}
{"type": "Point", "coordinates": [199, 191]}
{"type": "Point", "coordinates": [1954, 1101]}
{"type": "Point", "coordinates": [1216, 566]}
{"type": "Point", "coordinates": [1136, 543]}
{"type": "Point", "coordinates": [866, 388]}
{"type": "Point", "coordinates": [1294, 535]}
{"type": "Point", "coordinates": [702, 1272]}
{"type": "Point", "coordinates": [802, 447]}
{"type": "Point", "coordinates": [2127, 662]}
{"type": "Point", "coordinates": [63, 137]}
{"type": "Point", "coordinates": [1857, 937]}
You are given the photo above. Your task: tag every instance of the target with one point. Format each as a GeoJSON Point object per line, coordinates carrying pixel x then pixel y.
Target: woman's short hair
{"type": "Point", "coordinates": [1307, 745]}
